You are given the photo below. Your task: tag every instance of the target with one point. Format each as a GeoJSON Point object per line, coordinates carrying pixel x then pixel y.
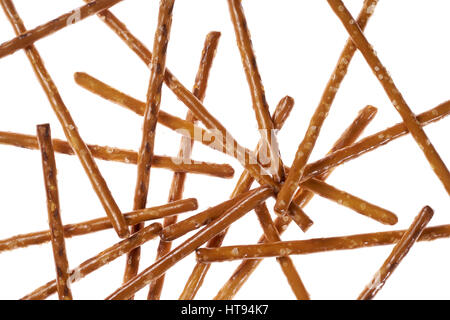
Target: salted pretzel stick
{"type": "Point", "coordinates": [54, 212]}
{"type": "Point", "coordinates": [100, 224]}
{"type": "Point", "coordinates": [246, 268]}
{"type": "Point", "coordinates": [289, 270]}
{"type": "Point", "coordinates": [409, 118]}
{"type": "Point", "coordinates": [121, 155]}
{"type": "Point", "coordinates": [27, 38]}
{"type": "Point", "coordinates": [343, 198]}
{"type": "Point", "coordinates": [306, 147]}
{"type": "Point", "coordinates": [157, 67]}
{"type": "Point", "coordinates": [400, 250]}
{"type": "Point", "coordinates": [252, 199]}
{"type": "Point", "coordinates": [260, 106]}
{"type": "Point", "coordinates": [198, 275]}
{"type": "Point", "coordinates": [186, 145]}
{"type": "Point", "coordinates": [311, 246]}
{"type": "Point", "coordinates": [69, 127]}
{"type": "Point", "coordinates": [372, 142]}
{"type": "Point", "coordinates": [243, 155]}
{"type": "Point", "coordinates": [100, 260]}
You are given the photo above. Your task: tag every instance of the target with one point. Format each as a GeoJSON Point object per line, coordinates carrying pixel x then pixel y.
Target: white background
{"type": "Point", "coordinates": [297, 43]}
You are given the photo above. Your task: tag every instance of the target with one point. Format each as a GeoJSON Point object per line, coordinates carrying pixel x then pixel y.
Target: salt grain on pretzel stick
{"type": "Point", "coordinates": [343, 198]}
{"type": "Point", "coordinates": [249, 202]}
{"type": "Point", "coordinates": [27, 38]}
{"type": "Point", "coordinates": [100, 260]}
{"type": "Point", "coordinates": [177, 187]}
{"type": "Point", "coordinates": [400, 250]}
{"type": "Point", "coordinates": [246, 268]}
{"type": "Point", "coordinates": [311, 246]}
{"type": "Point", "coordinates": [198, 275]}
{"type": "Point", "coordinates": [121, 155]}
{"type": "Point", "coordinates": [157, 67]}
{"type": "Point", "coordinates": [265, 124]}
{"type": "Point", "coordinates": [68, 125]}
{"type": "Point", "coordinates": [409, 118]}
{"type": "Point", "coordinates": [228, 143]}
{"type": "Point", "coordinates": [271, 234]}
{"type": "Point", "coordinates": [306, 147]}
{"type": "Point", "coordinates": [100, 224]}
{"type": "Point", "coordinates": [54, 212]}
{"type": "Point", "coordinates": [372, 142]}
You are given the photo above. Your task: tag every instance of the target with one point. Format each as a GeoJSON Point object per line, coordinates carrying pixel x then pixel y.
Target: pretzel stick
{"type": "Point", "coordinates": [69, 127]}
{"type": "Point", "coordinates": [409, 118]}
{"type": "Point", "coordinates": [121, 155]}
{"type": "Point", "coordinates": [252, 199]}
{"type": "Point", "coordinates": [246, 268]}
{"type": "Point", "coordinates": [54, 212]}
{"type": "Point", "coordinates": [186, 145]}
{"type": "Point", "coordinates": [198, 275]}
{"type": "Point", "coordinates": [96, 225]}
{"type": "Point", "coordinates": [243, 155]}
{"type": "Point", "coordinates": [27, 38]}
{"type": "Point", "coordinates": [372, 142]}
{"type": "Point", "coordinates": [260, 106]}
{"type": "Point", "coordinates": [157, 67]}
{"type": "Point", "coordinates": [306, 147]}
{"type": "Point", "coordinates": [343, 198]}
{"type": "Point", "coordinates": [272, 235]}
{"type": "Point", "coordinates": [400, 250]}
{"type": "Point", "coordinates": [100, 260]}
{"type": "Point", "coordinates": [311, 246]}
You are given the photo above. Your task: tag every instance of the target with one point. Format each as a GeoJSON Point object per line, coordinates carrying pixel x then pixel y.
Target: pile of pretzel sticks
{"type": "Point", "coordinates": [292, 187]}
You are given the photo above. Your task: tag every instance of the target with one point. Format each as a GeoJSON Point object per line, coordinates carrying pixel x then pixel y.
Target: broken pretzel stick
{"type": "Point", "coordinates": [70, 130]}
{"type": "Point", "coordinates": [100, 224]}
{"type": "Point", "coordinates": [400, 250]}
{"type": "Point", "coordinates": [409, 118]}
{"type": "Point", "coordinates": [99, 260]}
{"type": "Point", "coordinates": [54, 212]}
